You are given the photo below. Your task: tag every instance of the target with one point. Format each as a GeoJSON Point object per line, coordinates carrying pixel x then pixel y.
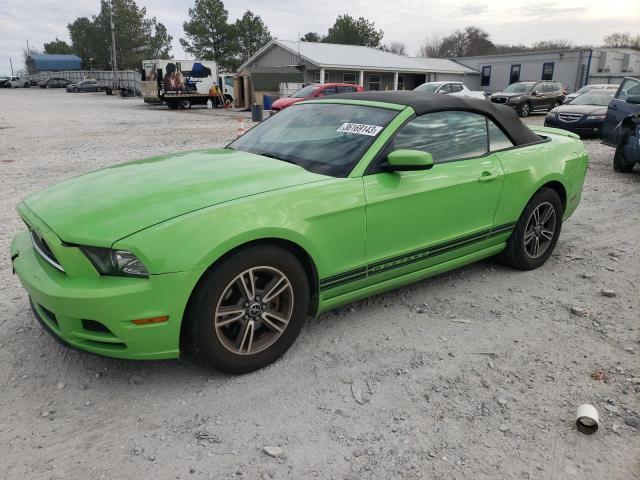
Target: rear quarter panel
{"type": "Point", "coordinates": [562, 159]}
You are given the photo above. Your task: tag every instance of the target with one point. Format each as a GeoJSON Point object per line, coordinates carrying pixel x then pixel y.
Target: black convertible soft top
{"type": "Point", "coordinates": [504, 116]}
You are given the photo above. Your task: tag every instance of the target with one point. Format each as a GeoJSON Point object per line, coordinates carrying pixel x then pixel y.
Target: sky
{"type": "Point", "coordinates": [408, 21]}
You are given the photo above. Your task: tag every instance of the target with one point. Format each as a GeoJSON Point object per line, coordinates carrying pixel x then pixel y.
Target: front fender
{"type": "Point", "coordinates": [325, 219]}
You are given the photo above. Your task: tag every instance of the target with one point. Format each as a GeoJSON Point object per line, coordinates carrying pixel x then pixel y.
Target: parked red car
{"type": "Point", "coordinates": [314, 90]}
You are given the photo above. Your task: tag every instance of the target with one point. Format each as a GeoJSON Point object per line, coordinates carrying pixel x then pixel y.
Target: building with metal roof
{"type": "Point", "coordinates": [46, 62]}
{"type": "Point", "coordinates": [372, 68]}
{"type": "Point", "coordinates": [573, 67]}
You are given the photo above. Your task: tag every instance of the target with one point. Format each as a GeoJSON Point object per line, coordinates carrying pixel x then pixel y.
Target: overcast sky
{"type": "Point", "coordinates": [408, 21]}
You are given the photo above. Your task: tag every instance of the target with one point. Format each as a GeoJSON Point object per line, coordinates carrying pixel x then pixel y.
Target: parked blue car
{"type": "Point", "coordinates": [584, 115]}
{"type": "Point", "coordinates": [622, 125]}
{"type": "Point", "coordinates": [624, 103]}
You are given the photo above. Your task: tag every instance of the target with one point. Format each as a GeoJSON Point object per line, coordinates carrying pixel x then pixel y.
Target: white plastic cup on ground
{"type": "Point", "coordinates": [587, 419]}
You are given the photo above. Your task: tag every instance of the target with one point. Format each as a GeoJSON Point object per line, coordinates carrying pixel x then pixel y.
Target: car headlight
{"type": "Point", "coordinates": [515, 99]}
{"type": "Point", "coordinates": [596, 117]}
{"type": "Point", "coordinates": [115, 262]}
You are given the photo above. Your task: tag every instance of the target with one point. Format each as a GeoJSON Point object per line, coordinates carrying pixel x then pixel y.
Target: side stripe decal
{"type": "Point", "coordinates": [413, 257]}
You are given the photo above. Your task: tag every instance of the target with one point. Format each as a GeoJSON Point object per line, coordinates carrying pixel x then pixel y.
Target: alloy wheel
{"type": "Point", "coordinates": [524, 110]}
{"type": "Point", "coordinates": [541, 227]}
{"type": "Point", "coordinates": [254, 310]}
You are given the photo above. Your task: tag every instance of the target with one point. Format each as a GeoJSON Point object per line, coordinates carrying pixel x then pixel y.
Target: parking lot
{"type": "Point", "coordinates": [472, 374]}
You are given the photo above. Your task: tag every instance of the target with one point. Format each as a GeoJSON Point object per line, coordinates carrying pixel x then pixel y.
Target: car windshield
{"type": "Point", "coordinates": [594, 97]}
{"type": "Point", "coordinates": [427, 87]}
{"type": "Point", "coordinates": [305, 92]}
{"type": "Point", "coordinates": [519, 88]}
{"type": "Point", "coordinates": [328, 139]}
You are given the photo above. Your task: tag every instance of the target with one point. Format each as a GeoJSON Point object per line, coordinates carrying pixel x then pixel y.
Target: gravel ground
{"type": "Point", "coordinates": [475, 374]}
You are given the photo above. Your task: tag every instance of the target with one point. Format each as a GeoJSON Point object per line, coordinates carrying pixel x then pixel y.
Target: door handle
{"type": "Point", "coordinates": [488, 176]}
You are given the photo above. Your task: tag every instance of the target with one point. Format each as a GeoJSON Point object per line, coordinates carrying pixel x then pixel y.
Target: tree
{"type": "Point", "coordinates": [248, 35]}
{"type": "Point", "coordinates": [347, 30]}
{"type": "Point", "coordinates": [207, 32]}
{"type": "Point", "coordinates": [431, 47]}
{"type": "Point", "coordinates": [137, 36]}
{"type": "Point", "coordinates": [396, 47]}
{"type": "Point", "coordinates": [311, 37]}
{"type": "Point", "coordinates": [551, 45]}
{"type": "Point", "coordinates": [622, 40]}
{"type": "Point", "coordinates": [58, 46]}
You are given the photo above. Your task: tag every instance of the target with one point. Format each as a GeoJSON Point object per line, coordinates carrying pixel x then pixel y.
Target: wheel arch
{"type": "Point", "coordinates": [303, 256]}
{"type": "Point", "coordinates": [558, 187]}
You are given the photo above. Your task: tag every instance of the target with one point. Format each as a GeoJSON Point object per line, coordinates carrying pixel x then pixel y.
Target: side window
{"type": "Point", "coordinates": [346, 89]}
{"type": "Point", "coordinates": [447, 136]}
{"type": "Point", "coordinates": [348, 77]}
{"type": "Point", "coordinates": [446, 88]}
{"type": "Point", "coordinates": [497, 138]}
{"type": "Point", "coordinates": [485, 80]}
{"type": "Point", "coordinates": [456, 87]}
{"type": "Point", "coordinates": [327, 91]}
{"type": "Point", "coordinates": [628, 87]}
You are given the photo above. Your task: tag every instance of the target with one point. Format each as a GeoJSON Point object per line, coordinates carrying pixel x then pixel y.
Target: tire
{"type": "Point", "coordinates": [222, 338]}
{"type": "Point", "coordinates": [619, 165]}
{"type": "Point", "coordinates": [518, 252]}
{"type": "Point", "coordinates": [185, 103]}
{"type": "Point", "coordinates": [76, 90]}
{"type": "Point", "coordinates": [524, 110]}
{"type": "Point", "coordinates": [555, 105]}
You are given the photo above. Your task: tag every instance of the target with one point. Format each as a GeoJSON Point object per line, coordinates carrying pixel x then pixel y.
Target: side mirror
{"type": "Point", "coordinates": [633, 99]}
{"type": "Point", "coordinates": [408, 160]}
{"type": "Point", "coordinates": [534, 93]}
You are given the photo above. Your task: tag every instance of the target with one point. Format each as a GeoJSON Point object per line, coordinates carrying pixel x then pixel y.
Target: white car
{"type": "Point", "coordinates": [17, 82]}
{"type": "Point", "coordinates": [457, 89]}
{"type": "Point", "coordinates": [586, 88]}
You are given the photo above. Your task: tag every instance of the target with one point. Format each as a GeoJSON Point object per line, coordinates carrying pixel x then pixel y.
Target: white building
{"type": "Point", "coordinates": [574, 68]}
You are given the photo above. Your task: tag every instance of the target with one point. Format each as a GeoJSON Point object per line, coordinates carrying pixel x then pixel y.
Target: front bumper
{"type": "Point", "coordinates": [581, 127]}
{"type": "Point", "coordinates": [95, 313]}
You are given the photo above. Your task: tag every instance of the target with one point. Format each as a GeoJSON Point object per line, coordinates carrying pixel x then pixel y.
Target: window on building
{"type": "Point", "coordinates": [349, 78]}
{"type": "Point", "coordinates": [400, 82]}
{"type": "Point", "coordinates": [447, 136]}
{"type": "Point", "coordinates": [515, 74]}
{"type": "Point", "coordinates": [485, 79]}
{"type": "Point", "coordinates": [316, 76]}
{"type": "Point", "coordinates": [547, 71]}
{"type": "Point", "coordinates": [374, 81]}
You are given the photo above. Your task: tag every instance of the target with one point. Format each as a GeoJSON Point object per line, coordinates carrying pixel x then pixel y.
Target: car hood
{"type": "Point", "coordinates": [285, 102]}
{"type": "Point", "coordinates": [583, 109]}
{"type": "Point", "coordinates": [104, 206]}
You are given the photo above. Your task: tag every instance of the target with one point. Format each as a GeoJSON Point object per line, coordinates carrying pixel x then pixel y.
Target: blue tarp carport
{"type": "Point", "coordinates": [46, 62]}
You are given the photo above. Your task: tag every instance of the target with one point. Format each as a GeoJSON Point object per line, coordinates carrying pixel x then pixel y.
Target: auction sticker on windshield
{"type": "Point", "coordinates": [360, 129]}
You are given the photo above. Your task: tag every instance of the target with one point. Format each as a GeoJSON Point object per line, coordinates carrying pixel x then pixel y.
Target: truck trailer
{"type": "Point", "coordinates": [183, 83]}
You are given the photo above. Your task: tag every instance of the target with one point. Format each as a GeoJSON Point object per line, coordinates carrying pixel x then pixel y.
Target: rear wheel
{"type": "Point", "coordinates": [248, 310]}
{"type": "Point", "coordinates": [524, 110]}
{"type": "Point", "coordinates": [185, 103]}
{"type": "Point", "coordinates": [619, 163]}
{"type": "Point", "coordinates": [536, 233]}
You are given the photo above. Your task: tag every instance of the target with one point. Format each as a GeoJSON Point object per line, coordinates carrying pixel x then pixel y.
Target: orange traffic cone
{"type": "Point", "coordinates": [240, 130]}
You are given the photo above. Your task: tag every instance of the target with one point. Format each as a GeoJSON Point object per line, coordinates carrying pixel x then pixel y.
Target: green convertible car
{"type": "Point", "coordinates": [225, 252]}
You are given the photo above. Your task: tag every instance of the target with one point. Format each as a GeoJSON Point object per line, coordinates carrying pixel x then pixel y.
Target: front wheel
{"type": "Point", "coordinates": [619, 163]}
{"type": "Point", "coordinates": [524, 110]}
{"type": "Point", "coordinates": [248, 310]}
{"type": "Point", "coordinates": [536, 233]}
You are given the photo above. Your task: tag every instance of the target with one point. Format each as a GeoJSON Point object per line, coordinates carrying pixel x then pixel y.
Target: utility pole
{"type": "Point", "coordinates": [28, 50]}
{"type": "Point", "coordinates": [114, 63]}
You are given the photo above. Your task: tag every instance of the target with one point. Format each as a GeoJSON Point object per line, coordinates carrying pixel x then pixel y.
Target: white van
{"type": "Point", "coordinates": [17, 82]}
